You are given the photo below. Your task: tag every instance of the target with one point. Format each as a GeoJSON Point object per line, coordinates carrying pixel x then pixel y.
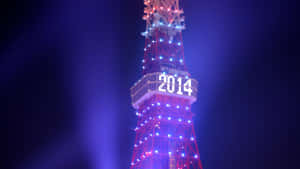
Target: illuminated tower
{"type": "Point", "coordinates": [165, 136]}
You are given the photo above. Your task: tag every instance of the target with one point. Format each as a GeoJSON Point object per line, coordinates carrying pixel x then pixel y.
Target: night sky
{"type": "Point", "coordinates": [66, 67]}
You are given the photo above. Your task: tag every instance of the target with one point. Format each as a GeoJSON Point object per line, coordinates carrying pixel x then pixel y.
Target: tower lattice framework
{"type": "Point", "coordinates": [165, 135]}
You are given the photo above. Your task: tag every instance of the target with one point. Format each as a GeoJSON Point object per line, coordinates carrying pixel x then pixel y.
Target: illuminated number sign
{"type": "Point", "coordinates": [173, 84]}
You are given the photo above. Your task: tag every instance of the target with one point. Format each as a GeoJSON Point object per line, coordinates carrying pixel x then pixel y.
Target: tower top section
{"type": "Point", "coordinates": [165, 15]}
{"type": "Point", "coordinates": [163, 50]}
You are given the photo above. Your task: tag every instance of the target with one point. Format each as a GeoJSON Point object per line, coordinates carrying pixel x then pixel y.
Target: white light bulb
{"type": "Point", "coordinates": [182, 154]}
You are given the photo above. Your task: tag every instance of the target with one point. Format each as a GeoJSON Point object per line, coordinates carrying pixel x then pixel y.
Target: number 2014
{"type": "Point", "coordinates": [169, 81]}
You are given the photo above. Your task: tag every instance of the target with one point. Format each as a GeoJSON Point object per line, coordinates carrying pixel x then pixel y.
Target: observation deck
{"type": "Point", "coordinates": [160, 83]}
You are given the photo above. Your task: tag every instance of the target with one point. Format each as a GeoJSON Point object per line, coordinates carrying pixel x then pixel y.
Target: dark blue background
{"type": "Point", "coordinates": [67, 65]}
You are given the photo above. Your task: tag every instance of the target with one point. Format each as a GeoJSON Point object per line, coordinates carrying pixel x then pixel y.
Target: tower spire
{"type": "Point", "coordinates": [164, 45]}
{"type": "Point", "coordinates": [164, 15]}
